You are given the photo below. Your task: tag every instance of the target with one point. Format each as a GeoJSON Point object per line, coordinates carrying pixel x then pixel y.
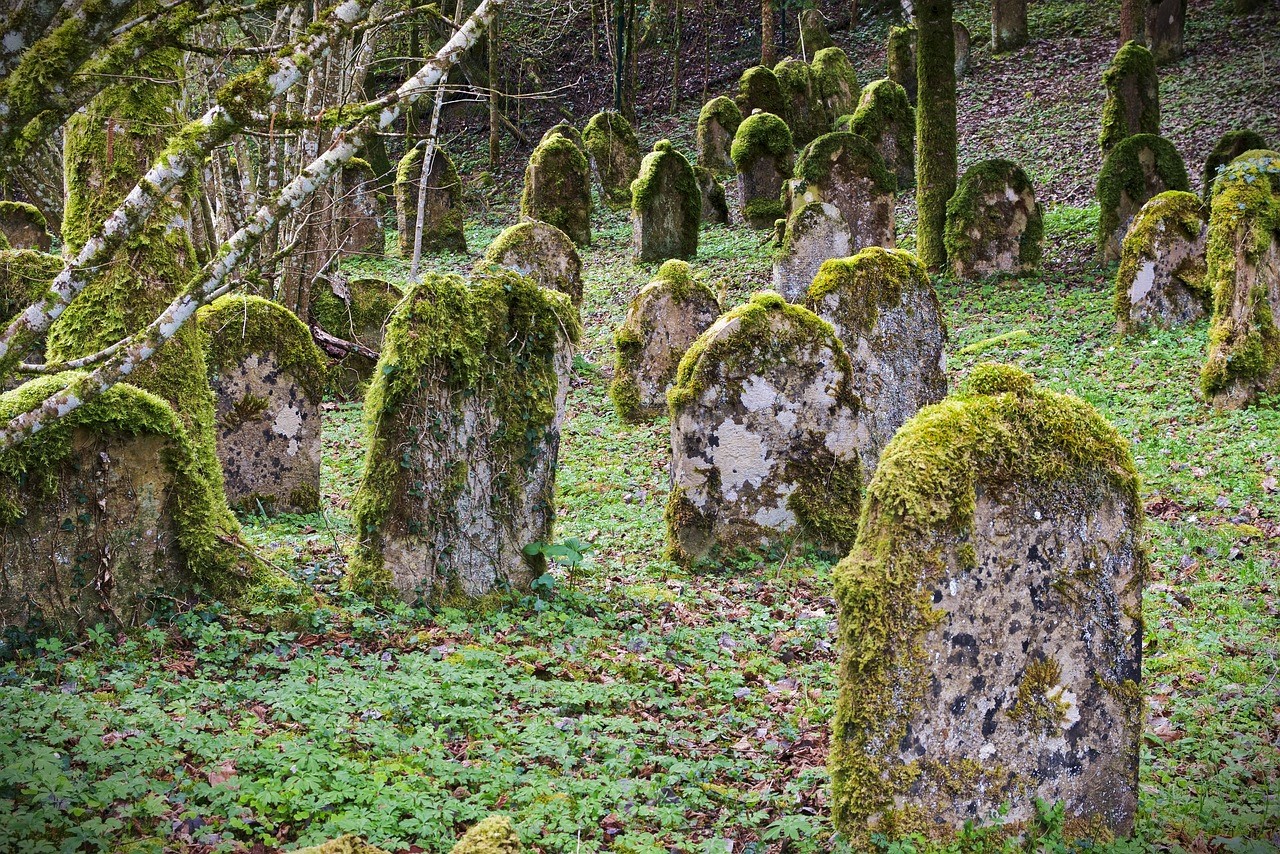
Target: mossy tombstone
{"type": "Point", "coordinates": [764, 438]}
{"type": "Point", "coordinates": [462, 426]}
{"type": "Point", "coordinates": [845, 170]}
{"type": "Point", "coordinates": [1229, 146]}
{"type": "Point", "coordinates": [24, 227]}
{"type": "Point", "coordinates": [963, 40]}
{"type": "Point", "coordinates": [885, 311]}
{"type": "Point", "coordinates": [666, 207]}
{"type": "Point", "coordinates": [1161, 280]}
{"type": "Point", "coordinates": [764, 156]}
{"type": "Point", "coordinates": [1133, 96]}
{"type": "Point", "coordinates": [542, 252]}
{"type": "Point", "coordinates": [715, 208]}
{"type": "Point", "coordinates": [812, 36]}
{"type": "Point", "coordinates": [886, 119]}
{"type": "Point", "coordinates": [566, 130]}
{"type": "Point", "coordinates": [758, 89]}
{"type": "Point", "coordinates": [900, 60]}
{"type": "Point", "coordinates": [815, 231]}
{"type": "Point", "coordinates": [557, 188]}
{"type": "Point", "coordinates": [443, 215]}
{"type": "Point", "coordinates": [663, 320]}
{"type": "Point", "coordinates": [1136, 170]}
{"type": "Point", "coordinates": [837, 83]}
{"type": "Point", "coordinates": [994, 224]}
{"type": "Point", "coordinates": [354, 310]}
{"type": "Point", "coordinates": [611, 143]}
{"type": "Point", "coordinates": [268, 379]}
{"type": "Point", "coordinates": [990, 621]}
{"type": "Point", "coordinates": [360, 221]}
{"type": "Point", "coordinates": [805, 114]}
{"type": "Point", "coordinates": [717, 123]}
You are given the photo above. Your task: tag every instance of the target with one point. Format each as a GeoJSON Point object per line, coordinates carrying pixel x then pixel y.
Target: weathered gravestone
{"type": "Point", "coordinates": [837, 84]}
{"type": "Point", "coordinates": [1165, 23]}
{"type": "Point", "coordinates": [557, 188]}
{"type": "Point", "coordinates": [962, 41]}
{"type": "Point", "coordinates": [814, 232]}
{"type": "Point", "coordinates": [566, 130]}
{"type": "Point", "coordinates": [885, 311]}
{"type": "Point", "coordinates": [990, 621]}
{"type": "Point", "coordinates": [764, 438]}
{"type": "Point", "coordinates": [813, 35]}
{"type": "Point", "coordinates": [885, 119]}
{"type": "Point", "coordinates": [994, 224]}
{"type": "Point", "coordinates": [24, 227]}
{"type": "Point", "coordinates": [102, 511]}
{"type": "Point", "coordinates": [901, 60]}
{"type": "Point", "coordinates": [666, 207]}
{"type": "Point", "coordinates": [360, 219]}
{"type": "Point", "coordinates": [717, 123]}
{"type": "Point", "coordinates": [464, 419]}
{"type": "Point", "coordinates": [355, 311]}
{"type": "Point", "coordinates": [1243, 253]}
{"type": "Point", "coordinates": [268, 380]}
{"type": "Point", "coordinates": [663, 320]}
{"type": "Point", "coordinates": [443, 214]}
{"type": "Point", "coordinates": [764, 156]}
{"type": "Point", "coordinates": [845, 170]}
{"type": "Point", "coordinates": [715, 208]}
{"type": "Point", "coordinates": [1161, 281]}
{"type": "Point", "coordinates": [542, 252]}
{"type": "Point", "coordinates": [758, 89]}
{"type": "Point", "coordinates": [1137, 169]}
{"type": "Point", "coordinates": [804, 115]}
{"type": "Point", "coordinates": [614, 150]}
{"type": "Point", "coordinates": [1229, 146]}
{"type": "Point", "coordinates": [1133, 96]}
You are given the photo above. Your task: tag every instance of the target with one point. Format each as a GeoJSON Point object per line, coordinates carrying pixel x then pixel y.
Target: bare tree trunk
{"type": "Point", "coordinates": [768, 54]}
{"type": "Point", "coordinates": [495, 142]}
{"type": "Point", "coordinates": [675, 59]}
{"type": "Point", "coordinates": [1133, 21]}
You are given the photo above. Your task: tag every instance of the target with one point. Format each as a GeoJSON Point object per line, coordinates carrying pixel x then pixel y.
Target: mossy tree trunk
{"type": "Point", "coordinates": [768, 53]}
{"type": "Point", "coordinates": [1133, 21]}
{"type": "Point", "coordinates": [1008, 25]}
{"type": "Point", "coordinates": [935, 127]}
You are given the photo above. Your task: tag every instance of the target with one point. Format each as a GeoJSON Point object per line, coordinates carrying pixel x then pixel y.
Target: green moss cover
{"type": "Point", "coordinates": [443, 231]}
{"type": "Point", "coordinates": [1244, 339]}
{"type": "Point", "coordinates": [611, 143]}
{"type": "Point", "coordinates": [1172, 209]}
{"type": "Point", "coordinates": [1231, 145]}
{"type": "Point", "coordinates": [494, 835]}
{"type": "Point", "coordinates": [494, 338]}
{"type": "Point", "coordinates": [370, 303]}
{"type": "Point", "coordinates": [721, 111]}
{"type": "Point", "coordinates": [236, 327]}
{"type": "Point", "coordinates": [31, 214]}
{"type": "Point", "coordinates": [967, 207]}
{"type": "Point", "coordinates": [936, 153]}
{"type": "Point", "coordinates": [1132, 68]}
{"type": "Point", "coordinates": [813, 36]}
{"type": "Point", "coordinates": [566, 130]}
{"type": "Point", "coordinates": [880, 276]}
{"type": "Point", "coordinates": [762, 135]}
{"type": "Point", "coordinates": [884, 110]}
{"type": "Point", "coordinates": [805, 114]}
{"type": "Point", "coordinates": [998, 430]}
{"type": "Point", "coordinates": [557, 188]}
{"type": "Point", "coordinates": [758, 89]}
{"type": "Point", "coordinates": [837, 83]}
{"type": "Point", "coordinates": [1123, 173]}
{"type": "Point", "coordinates": [900, 60]}
{"type": "Point", "coordinates": [541, 241]}
{"type": "Point", "coordinates": [679, 181]}
{"type": "Point", "coordinates": [25, 275]}
{"type": "Point", "coordinates": [342, 845]}
{"type": "Point", "coordinates": [820, 156]}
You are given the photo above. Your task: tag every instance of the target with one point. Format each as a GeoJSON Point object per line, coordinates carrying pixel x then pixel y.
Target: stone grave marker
{"type": "Point", "coordinates": [764, 156]}
{"type": "Point", "coordinates": [1161, 280]}
{"type": "Point", "coordinates": [717, 123]}
{"type": "Point", "coordinates": [845, 170]}
{"type": "Point", "coordinates": [994, 224]}
{"type": "Point", "coordinates": [443, 215]}
{"type": "Point", "coordinates": [361, 217]}
{"type": "Point", "coordinates": [1133, 96]}
{"type": "Point", "coordinates": [815, 232]}
{"type": "Point", "coordinates": [886, 119]}
{"type": "Point", "coordinates": [1229, 146]}
{"type": "Point", "coordinates": [557, 188]}
{"type": "Point", "coordinates": [758, 89]}
{"type": "Point", "coordinates": [666, 207]}
{"type": "Point", "coordinates": [715, 208]}
{"type": "Point", "coordinates": [611, 144]}
{"type": "Point", "coordinates": [542, 252]}
{"type": "Point", "coordinates": [1137, 169]}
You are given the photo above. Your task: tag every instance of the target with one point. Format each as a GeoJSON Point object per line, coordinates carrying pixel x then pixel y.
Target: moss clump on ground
{"type": "Point", "coordinates": [494, 835]}
{"type": "Point", "coordinates": [557, 188]}
{"type": "Point", "coordinates": [1132, 72]}
{"type": "Point", "coordinates": [610, 142]}
{"type": "Point", "coordinates": [236, 327]}
{"type": "Point", "coordinates": [1231, 145]}
{"type": "Point", "coordinates": [1172, 209]}
{"type": "Point", "coordinates": [884, 117]}
{"type": "Point", "coordinates": [1244, 339]}
{"type": "Point", "coordinates": [997, 431]}
{"type": "Point", "coordinates": [900, 60]}
{"type": "Point", "coordinates": [758, 89]}
{"type": "Point", "coordinates": [666, 172]}
{"type": "Point", "coordinates": [444, 214]}
{"type": "Point", "coordinates": [968, 208]}
{"type": "Point", "coordinates": [1123, 174]}
{"type": "Point", "coordinates": [342, 845]}
{"type": "Point", "coordinates": [837, 83]}
{"type": "Point", "coordinates": [820, 156]}
{"type": "Point", "coordinates": [566, 130]}
{"type": "Point", "coordinates": [724, 113]}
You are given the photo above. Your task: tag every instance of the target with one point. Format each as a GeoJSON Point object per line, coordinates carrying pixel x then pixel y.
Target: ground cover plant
{"type": "Point", "coordinates": [625, 705]}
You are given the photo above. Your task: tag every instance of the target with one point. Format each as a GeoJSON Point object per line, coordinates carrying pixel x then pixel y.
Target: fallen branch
{"type": "Point", "coordinates": [336, 347]}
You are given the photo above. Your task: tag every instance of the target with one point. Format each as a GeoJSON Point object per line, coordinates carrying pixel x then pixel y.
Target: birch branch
{"type": "Point", "coordinates": [141, 345]}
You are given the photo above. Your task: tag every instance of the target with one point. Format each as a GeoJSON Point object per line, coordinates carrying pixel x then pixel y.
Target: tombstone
{"type": "Point", "coordinates": [100, 513]}
{"type": "Point", "coordinates": [464, 418]}
{"type": "Point", "coordinates": [990, 621]}
{"type": "Point", "coordinates": [962, 41]}
{"type": "Point", "coordinates": [715, 209]}
{"type": "Point", "coordinates": [764, 156]}
{"type": "Point", "coordinates": [666, 207]}
{"type": "Point", "coordinates": [1229, 146]}
{"type": "Point", "coordinates": [1137, 169]}
{"type": "Point", "coordinates": [443, 214]}
{"type": "Point", "coordinates": [885, 311]}
{"type": "Point", "coordinates": [24, 227]}
{"type": "Point", "coordinates": [901, 60]}
{"type": "Point", "coordinates": [615, 156]}
{"type": "Point", "coordinates": [847, 171]}
{"type": "Point", "coordinates": [1008, 25]}
{"type": "Point", "coordinates": [758, 89]}
{"type": "Point", "coordinates": [663, 320]}
{"type": "Point", "coordinates": [764, 438]}
{"type": "Point", "coordinates": [1133, 96]}
{"type": "Point", "coordinates": [1243, 250]}
{"type": "Point", "coordinates": [994, 224]}
{"type": "Point", "coordinates": [814, 232]}
{"type": "Point", "coordinates": [542, 252]}
{"type": "Point", "coordinates": [360, 221]}
{"type": "Point", "coordinates": [837, 83]}
{"type": "Point", "coordinates": [268, 380]}
{"type": "Point", "coordinates": [885, 119]}
{"type": "Point", "coordinates": [354, 310]}
{"type": "Point", "coordinates": [1165, 22]}
{"type": "Point", "coordinates": [557, 188]}
{"type": "Point", "coordinates": [717, 123]}
{"type": "Point", "coordinates": [813, 35]}
{"type": "Point", "coordinates": [1161, 281]}
{"type": "Point", "coordinates": [804, 114]}
{"type": "Point", "coordinates": [566, 130]}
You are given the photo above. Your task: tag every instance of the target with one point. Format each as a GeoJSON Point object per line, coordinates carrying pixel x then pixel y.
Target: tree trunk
{"type": "Point", "coordinates": [495, 150]}
{"type": "Point", "coordinates": [1133, 21]}
{"type": "Point", "coordinates": [1009, 24]}
{"type": "Point", "coordinates": [768, 54]}
{"type": "Point", "coordinates": [675, 59]}
{"type": "Point", "coordinates": [935, 127]}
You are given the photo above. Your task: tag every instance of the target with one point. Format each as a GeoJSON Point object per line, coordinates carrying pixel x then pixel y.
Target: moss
{"type": "Point", "coordinates": [1133, 66]}
{"type": "Point", "coordinates": [758, 89]}
{"type": "Point", "coordinates": [494, 835]}
{"type": "Point", "coordinates": [1123, 174]}
{"type": "Point", "coordinates": [900, 60]}
{"type": "Point", "coordinates": [236, 327]}
{"type": "Point", "coordinates": [557, 188]}
{"type": "Point", "coordinates": [762, 135]}
{"type": "Point", "coordinates": [837, 82]}
{"type": "Point", "coordinates": [681, 183]}
{"type": "Point", "coordinates": [611, 143]}
{"type": "Point", "coordinates": [723, 112]}
{"type": "Point", "coordinates": [539, 244]}
{"type": "Point", "coordinates": [878, 276]}
{"type": "Point", "coordinates": [445, 214]}
{"type": "Point", "coordinates": [968, 208]}
{"type": "Point", "coordinates": [494, 338]}
{"type": "Point", "coordinates": [31, 215]}
{"type": "Point", "coordinates": [821, 155]}
{"type": "Point", "coordinates": [368, 304]}
{"type": "Point", "coordinates": [813, 37]}
{"type": "Point", "coordinates": [342, 845]}
{"type": "Point", "coordinates": [715, 208]}
{"type": "Point", "coordinates": [1229, 146]}
{"type": "Point", "coordinates": [884, 111]}
{"type": "Point", "coordinates": [566, 130]}
{"type": "Point", "coordinates": [936, 153]}
{"type": "Point", "coordinates": [25, 275]}
{"type": "Point", "coordinates": [999, 429]}
{"type": "Point", "coordinates": [801, 99]}
{"type": "Point", "coordinates": [1039, 705]}
{"type": "Point", "coordinates": [1173, 209]}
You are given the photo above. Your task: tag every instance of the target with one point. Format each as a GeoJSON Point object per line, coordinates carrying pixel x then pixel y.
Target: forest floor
{"type": "Point", "coordinates": [631, 707]}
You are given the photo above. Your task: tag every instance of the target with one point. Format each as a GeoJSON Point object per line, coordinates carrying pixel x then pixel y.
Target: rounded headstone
{"type": "Point", "coordinates": [886, 119]}
{"type": "Point", "coordinates": [1137, 169]}
{"type": "Point", "coordinates": [614, 150]}
{"type": "Point", "coordinates": [24, 227]}
{"type": "Point", "coordinates": [805, 115]}
{"type": "Point", "coordinates": [994, 224]}
{"type": "Point", "coordinates": [847, 171]}
{"type": "Point", "coordinates": [1229, 146]}
{"type": "Point", "coordinates": [764, 156]}
{"type": "Point", "coordinates": [837, 83]}
{"type": "Point", "coordinates": [962, 39]}
{"type": "Point", "coordinates": [566, 130]}
{"type": "Point", "coordinates": [666, 207]}
{"type": "Point", "coordinates": [443, 214]}
{"type": "Point", "coordinates": [1161, 280]}
{"type": "Point", "coordinates": [1133, 96]}
{"type": "Point", "coordinates": [758, 89]}
{"type": "Point", "coordinates": [360, 217]}
{"type": "Point", "coordinates": [814, 232]}
{"type": "Point", "coordinates": [813, 36]}
{"type": "Point", "coordinates": [557, 188]}
{"type": "Point", "coordinates": [717, 123]}
{"type": "Point", "coordinates": [542, 252]}
{"type": "Point", "coordinates": [901, 60]}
